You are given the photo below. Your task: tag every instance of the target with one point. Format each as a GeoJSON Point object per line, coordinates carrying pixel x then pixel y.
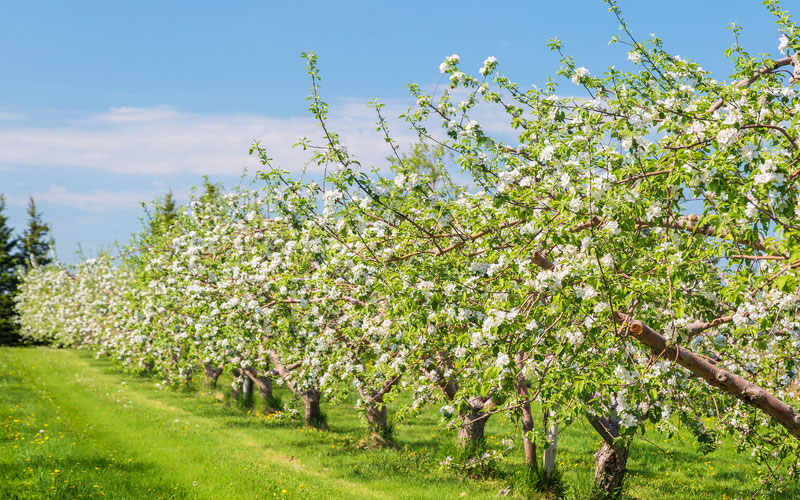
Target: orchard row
{"type": "Point", "coordinates": [629, 256]}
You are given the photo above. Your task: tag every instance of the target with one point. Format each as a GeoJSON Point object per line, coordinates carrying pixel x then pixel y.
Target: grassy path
{"type": "Point", "coordinates": [72, 427]}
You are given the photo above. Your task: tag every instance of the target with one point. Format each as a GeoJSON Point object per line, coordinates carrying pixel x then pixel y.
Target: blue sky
{"type": "Point", "coordinates": [105, 104]}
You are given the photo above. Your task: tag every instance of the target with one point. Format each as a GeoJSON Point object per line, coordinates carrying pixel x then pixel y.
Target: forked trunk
{"type": "Point", "coordinates": [610, 467]}
{"type": "Point", "coordinates": [610, 461]}
{"type": "Point", "coordinates": [212, 374]}
{"type": "Point", "coordinates": [263, 384]}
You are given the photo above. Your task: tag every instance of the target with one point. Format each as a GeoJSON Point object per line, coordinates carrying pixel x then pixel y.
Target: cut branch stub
{"type": "Point", "coordinates": [731, 383]}
{"type": "Point", "coordinates": [715, 376]}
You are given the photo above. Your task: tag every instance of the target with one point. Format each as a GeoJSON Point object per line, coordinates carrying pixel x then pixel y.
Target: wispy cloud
{"type": "Point", "coordinates": [165, 141]}
{"type": "Point", "coordinates": [97, 200]}
{"type": "Point", "coordinates": [158, 141]}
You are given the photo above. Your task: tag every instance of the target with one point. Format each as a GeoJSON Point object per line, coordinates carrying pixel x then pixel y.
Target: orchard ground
{"type": "Point", "coordinates": [75, 427]}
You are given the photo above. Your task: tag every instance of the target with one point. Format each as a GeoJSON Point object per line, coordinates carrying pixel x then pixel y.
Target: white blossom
{"type": "Point", "coordinates": [502, 360]}
{"type": "Point", "coordinates": [612, 227]}
{"type": "Point", "coordinates": [727, 136]}
{"type": "Point", "coordinates": [653, 211]}
{"type": "Point", "coordinates": [783, 44]}
{"type": "Point", "coordinates": [579, 74]}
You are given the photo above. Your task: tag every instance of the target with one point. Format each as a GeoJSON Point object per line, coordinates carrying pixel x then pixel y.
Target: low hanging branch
{"type": "Point", "coordinates": [715, 376]}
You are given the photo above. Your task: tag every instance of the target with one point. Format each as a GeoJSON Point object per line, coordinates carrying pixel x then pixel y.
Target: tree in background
{"type": "Point", "coordinates": [425, 159]}
{"type": "Point", "coordinates": [164, 214]}
{"type": "Point", "coordinates": [36, 241]}
{"type": "Point", "coordinates": [9, 260]}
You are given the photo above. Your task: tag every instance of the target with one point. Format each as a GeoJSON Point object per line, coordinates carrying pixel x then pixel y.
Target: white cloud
{"type": "Point", "coordinates": [161, 141]}
{"type": "Point", "coordinates": [158, 141]}
{"type": "Point", "coordinates": [97, 200]}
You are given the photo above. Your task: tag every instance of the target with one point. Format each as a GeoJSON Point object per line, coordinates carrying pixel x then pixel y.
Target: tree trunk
{"type": "Point", "coordinates": [380, 434]}
{"type": "Point", "coordinates": [263, 384]}
{"type": "Point", "coordinates": [473, 422]}
{"type": "Point", "coordinates": [610, 461]}
{"type": "Point", "coordinates": [528, 445]}
{"type": "Point", "coordinates": [149, 366]}
{"type": "Point", "coordinates": [551, 433]}
{"type": "Point", "coordinates": [247, 387]}
{"type": "Point", "coordinates": [376, 416]}
{"type": "Point", "coordinates": [313, 412]}
{"type": "Point", "coordinates": [610, 467]}
{"type": "Point", "coordinates": [212, 374]}
{"type": "Point", "coordinates": [236, 388]}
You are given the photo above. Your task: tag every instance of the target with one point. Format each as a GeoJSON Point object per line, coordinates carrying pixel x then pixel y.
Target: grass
{"type": "Point", "coordinates": [75, 427]}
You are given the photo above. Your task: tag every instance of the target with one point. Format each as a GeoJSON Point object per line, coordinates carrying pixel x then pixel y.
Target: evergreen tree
{"type": "Point", "coordinates": [36, 241]}
{"type": "Point", "coordinates": [163, 216]}
{"type": "Point", "coordinates": [170, 209]}
{"type": "Point", "coordinates": [9, 260]}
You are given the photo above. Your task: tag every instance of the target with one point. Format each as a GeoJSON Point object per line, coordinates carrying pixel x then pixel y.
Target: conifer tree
{"type": "Point", "coordinates": [36, 242]}
{"type": "Point", "coordinates": [163, 216]}
{"type": "Point", "coordinates": [9, 259]}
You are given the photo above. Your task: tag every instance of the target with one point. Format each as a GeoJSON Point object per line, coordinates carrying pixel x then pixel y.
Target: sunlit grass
{"type": "Point", "coordinates": [75, 427]}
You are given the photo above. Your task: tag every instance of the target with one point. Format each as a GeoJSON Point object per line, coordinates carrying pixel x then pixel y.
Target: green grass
{"type": "Point", "coordinates": [75, 427]}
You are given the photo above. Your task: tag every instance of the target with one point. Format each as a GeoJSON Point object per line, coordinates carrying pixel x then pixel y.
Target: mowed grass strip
{"type": "Point", "coordinates": [76, 427]}
{"type": "Point", "coordinates": [72, 428]}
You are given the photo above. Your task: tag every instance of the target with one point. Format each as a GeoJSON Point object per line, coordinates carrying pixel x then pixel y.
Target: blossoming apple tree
{"type": "Point", "coordinates": [627, 255]}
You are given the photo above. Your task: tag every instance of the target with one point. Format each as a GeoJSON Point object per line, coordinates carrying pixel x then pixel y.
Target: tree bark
{"type": "Point", "coordinates": [264, 385]}
{"type": "Point", "coordinates": [731, 383]}
{"type": "Point", "coordinates": [715, 376]}
{"type": "Point", "coordinates": [149, 367]}
{"type": "Point", "coordinates": [313, 416]}
{"type": "Point", "coordinates": [473, 420]}
{"type": "Point", "coordinates": [376, 415]}
{"type": "Point", "coordinates": [247, 387]}
{"type": "Point", "coordinates": [528, 446]}
{"type": "Point", "coordinates": [610, 461]}
{"type": "Point", "coordinates": [377, 421]}
{"type": "Point", "coordinates": [473, 423]}
{"type": "Point", "coordinates": [549, 457]}
{"type": "Point", "coordinates": [313, 413]}
{"type": "Point", "coordinates": [212, 374]}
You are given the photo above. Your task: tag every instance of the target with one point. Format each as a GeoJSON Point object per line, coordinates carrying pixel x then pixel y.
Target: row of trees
{"type": "Point", "coordinates": [630, 258]}
{"type": "Point", "coordinates": [17, 253]}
